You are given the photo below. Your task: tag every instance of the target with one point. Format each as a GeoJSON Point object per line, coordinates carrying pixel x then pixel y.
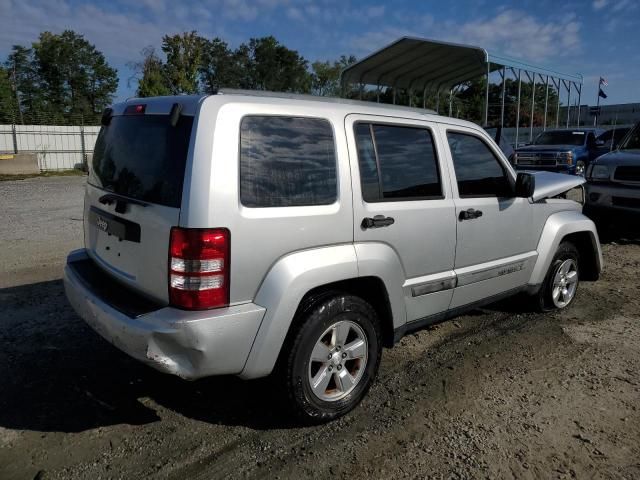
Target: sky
{"type": "Point", "coordinates": [592, 37]}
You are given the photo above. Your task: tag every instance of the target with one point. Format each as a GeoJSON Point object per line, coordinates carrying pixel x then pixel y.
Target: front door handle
{"type": "Point", "coordinates": [377, 221]}
{"type": "Point", "coordinates": [469, 214]}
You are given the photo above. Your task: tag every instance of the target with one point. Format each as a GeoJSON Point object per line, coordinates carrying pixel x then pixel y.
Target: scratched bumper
{"type": "Point", "coordinates": [188, 344]}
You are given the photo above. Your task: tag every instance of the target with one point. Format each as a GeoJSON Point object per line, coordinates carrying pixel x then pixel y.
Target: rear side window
{"type": "Point", "coordinates": [286, 162]}
{"type": "Point", "coordinates": [142, 157]}
{"type": "Point", "coordinates": [478, 172]}
{"type": "Point", "coordinates": [397, 163]}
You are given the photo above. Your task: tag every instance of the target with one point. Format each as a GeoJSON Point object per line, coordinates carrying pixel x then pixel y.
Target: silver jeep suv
{"type": "Point", "coordinates": [250, 234]}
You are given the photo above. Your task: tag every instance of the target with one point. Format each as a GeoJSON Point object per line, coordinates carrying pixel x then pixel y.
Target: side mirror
{"type": "Point", "coordinates": [600, 143]}
{"type": "Point", "coordinates": [525, 185]}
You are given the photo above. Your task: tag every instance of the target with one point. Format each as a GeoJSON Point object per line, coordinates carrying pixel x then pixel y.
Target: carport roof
{"type": "Point", "coordinates": [418, 63]}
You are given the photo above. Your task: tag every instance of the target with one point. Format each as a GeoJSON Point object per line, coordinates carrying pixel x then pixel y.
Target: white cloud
{"type": "Point", "coordinates": [375, 11]}
{"type": "Point", "coordinates": [520, 34]}
{"type": "Point", "coordinates": [615, 5]}
{"type": "Point", "coordinates": [599, 4]}
{"type": "Point", "coordinates": [510, 32]}
{"type": "Point", "coordinates": [295, 14]}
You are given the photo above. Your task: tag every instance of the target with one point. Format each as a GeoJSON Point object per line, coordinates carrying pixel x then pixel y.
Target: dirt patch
{"type": "Point", "coordinates": [496, 393]}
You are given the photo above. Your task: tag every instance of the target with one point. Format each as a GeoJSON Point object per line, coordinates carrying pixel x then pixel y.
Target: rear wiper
{"type": "Point", "coordinates": [121, 202]}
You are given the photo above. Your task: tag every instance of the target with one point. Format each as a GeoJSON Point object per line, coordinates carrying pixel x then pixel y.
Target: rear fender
{"type": "Point", "coordinates": [283, 288]}
{"type": "Point", "coordinates": [294, 275]}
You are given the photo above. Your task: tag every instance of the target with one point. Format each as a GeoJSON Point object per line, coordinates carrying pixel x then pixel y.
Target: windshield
{"type": "Point", "coordinates": [632, 140]}
{"type": "Point", "coordinates": [563, 137]}
{"type": "Point", "coordinates": [142, 157]}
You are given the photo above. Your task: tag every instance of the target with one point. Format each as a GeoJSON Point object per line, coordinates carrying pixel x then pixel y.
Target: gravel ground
{"type": "Point", "coordinates": [41, 222]}
{"type": "Point", "coordinates": [498, 393]}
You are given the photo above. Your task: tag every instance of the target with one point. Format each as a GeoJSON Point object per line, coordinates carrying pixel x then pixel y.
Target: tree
{"type": "Point", "coordinates": [272, 66]}
{"type": "Point", "coordinates": [8, 109]}
{"type": "Point", "coordinates": [219, 66]}
{"type": "Point", "coordinates": [61, 78]}
{"type": "Point", "coordinates": [24, 82]}
{"type": "Point", "coordinates": [184, 60]}
{"type": "Point", "coordinates": [325, 76]}
{"type": "Point", "coordinates": [152, 80]}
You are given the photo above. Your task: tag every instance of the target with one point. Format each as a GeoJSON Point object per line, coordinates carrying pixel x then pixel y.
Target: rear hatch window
{"type": "Point", "coordinates": [133, 198]}
{"type": "Point", "coordinates": [142, 157]}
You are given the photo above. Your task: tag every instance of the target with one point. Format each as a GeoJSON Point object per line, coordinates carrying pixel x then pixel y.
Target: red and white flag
{"type": "Point", "coordinates": [604, 82]}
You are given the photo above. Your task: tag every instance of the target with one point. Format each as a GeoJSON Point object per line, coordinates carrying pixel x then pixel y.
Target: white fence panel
{"type": "Point", "coordinates": [58, 147]}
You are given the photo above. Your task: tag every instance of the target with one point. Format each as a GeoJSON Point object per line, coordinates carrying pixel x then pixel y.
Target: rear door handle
{"type": "Point", "coordinates": [469, 214]}
{"type": "Point", "coordinates": [377, 221]}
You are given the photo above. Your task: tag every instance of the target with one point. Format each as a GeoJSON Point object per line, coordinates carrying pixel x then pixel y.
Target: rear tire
{"type": "Point", "coordinates": [333, 358]}
{"type": "Point", "coordinates": [560, 285]}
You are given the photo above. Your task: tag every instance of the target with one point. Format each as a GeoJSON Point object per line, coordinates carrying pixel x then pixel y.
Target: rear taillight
{"type": "Point", "coordinates": [199, 268]}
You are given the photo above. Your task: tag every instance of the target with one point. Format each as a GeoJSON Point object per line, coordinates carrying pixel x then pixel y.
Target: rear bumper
{"type": "Point", "coordinates": [189, 344]}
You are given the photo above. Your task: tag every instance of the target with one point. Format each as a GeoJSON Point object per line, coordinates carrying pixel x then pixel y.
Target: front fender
{"type": "Point", "coordinates": [558, 226]}
{"type": "Point", "coordinates": [290, 278]}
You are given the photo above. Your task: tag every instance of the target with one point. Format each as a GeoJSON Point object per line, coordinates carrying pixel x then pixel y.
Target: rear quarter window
{"type": "Point", "coordinates": [287, 161]}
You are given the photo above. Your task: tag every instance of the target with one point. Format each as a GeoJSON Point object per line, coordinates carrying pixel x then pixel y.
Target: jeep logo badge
{"type": "Point", "coordinates": [102, 224]}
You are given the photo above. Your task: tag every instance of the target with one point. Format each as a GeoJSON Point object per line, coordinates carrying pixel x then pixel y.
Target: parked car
{"type": "Point", "coordinates": [563, 150]}
{"type": "Point", "coordinates": [250, 234]}
{"type": "Point", "coordinates": [613, 188]}
{"type": "Point", "coordinates": [610, 139]}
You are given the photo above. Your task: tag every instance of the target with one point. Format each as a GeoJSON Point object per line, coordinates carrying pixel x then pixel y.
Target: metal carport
{"type": "Point", "coordinates": [418, 64]}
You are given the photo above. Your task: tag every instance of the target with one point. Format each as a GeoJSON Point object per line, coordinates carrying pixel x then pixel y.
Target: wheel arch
{"type": "Point", "coordinates": [588, 251]}
{"type": "Point", "coordinates": [568, 226]}
{"type": "Point", "coordinates": [296, 282]}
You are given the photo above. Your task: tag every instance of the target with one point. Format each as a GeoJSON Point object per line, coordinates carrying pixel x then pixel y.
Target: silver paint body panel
{"type": "Point", "coordinates": [428, 260]}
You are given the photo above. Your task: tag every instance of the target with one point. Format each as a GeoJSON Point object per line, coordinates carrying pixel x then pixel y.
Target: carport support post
{"type": "Point", "coordinates": [424, 97]}
{"type": "Point", "coordinates": [486, 99]}
{"type": "Point", "coordinates": [579, 97]}
{"type": "Point", "coordinates": [450, 101]}
{"type": "Point", "coordinates": [533, 106]}
{"type": "Point", "coordinates": [568, 102]}
{"type": "Point", "coordinates": [504, 87]}
{"type": "Point", "coordinates": [558, 105]}
{"type": "Point", "coordinates": [438, 101]}
{"type": "Point", "coordinates": [518, 106]}
{"type": "Point", "coordinates": [546, 103]}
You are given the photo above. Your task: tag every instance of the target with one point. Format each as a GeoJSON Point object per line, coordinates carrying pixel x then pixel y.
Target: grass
{"type": "Point", "coordinates": [57, 173]}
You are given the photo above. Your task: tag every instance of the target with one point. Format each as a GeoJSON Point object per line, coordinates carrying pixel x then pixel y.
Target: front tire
{"type": "Point", "coordinates": [333, 359]}
{"type": "Point", "coordinates": [561, 283]}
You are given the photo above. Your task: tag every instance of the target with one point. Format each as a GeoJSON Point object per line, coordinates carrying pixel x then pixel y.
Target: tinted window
{"type": "Point", "coordinates": [478, 171]}
{"type": "Point", "coordinates": [286, 161]}
{"type": "Point", "coordinates": [606, 136]}
{"type": "Point", "coordinates": [407, 163]}
{"type": "Point", "coordinates": [369, 180]}
{"type": "Point", "coordinates": [142, 157]}
{"type": "Point", "coordinates": [560, 137]}
{"type": "Point", "coordinates": [632, 140]}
